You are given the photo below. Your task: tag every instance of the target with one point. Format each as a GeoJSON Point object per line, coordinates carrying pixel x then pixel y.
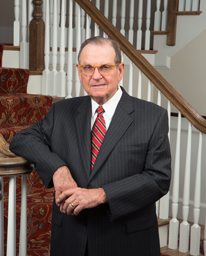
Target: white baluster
{"type": "Point", "coordinates": [205, 236]}
{"type": "Point", "coordinates": [65, 28]}
{"type": "Point", "coordinates": [23, 223]}
{"type": "Point", "coordinates": [96, 27]}
{"type": "Point", "coordinates": [88, 26]}
{"type": "Point", "coordinates": [188, 5]}
{"type": "Point", "coordinates": [131, 21]}
{"type": "Point", "coordinates": [139, 31]}
{"type": "Point", "coordinates": [83, 32]}
{"type": "Point", "coordinates": [114, 13]}
{"type": "Point", "coordinates": [44, 11]}
{"type": "Point", "coordinates": [130, 89]}
{"type": "Point", "coordinates": [70, 53]}
{"type": "Point", "coordinates": [24, 46]}
{"type": "Point", "coordinates": [16, 33]}
{"type": "Point", "coordinates": [139, 89]}
{"type": "Point", "coordinates": [51, 13]}
{"type": "Point", "coordinates": [164, 201]}
{"type": "Point", "coordinates": [46, 72]}
{"type": "Point", "coordinates": [61, 91]}
{"type": "Point", "coordinates": [164, 16]}
{"type": "Point", "coordinates": [11, 229]}
{"type": "Point", "coordinates": [174, 223]}
{"type": "Point", "coordinates": [149, 90]}
{"type": "Point", "coordinates": [147, 32]}
{"type": "Point", "coordinates": [30, 17]}
{"type": "Point", "coordinates": [195, 5]}
{"type": "Point", "coordinates": [78, 44]}
{"type": "Point", "coordinates": [159, 98]}
{"type": "Point", "coordinates": [122, 59]}
{"type": "Point", "coordinates": [159, 104]}
{"type": "Point", "coordinates": [106, 13]}
{"type": "Point", "coordinates": [1, 217]}
{"type": "Point", "coordinates": [185, 226]}
{"type": "Point", "coordinates": [58, 22]}
{"type": "Point", "coordinates": [196, 229]}
{"type": "Point", "coordinates": [181, 6]}
{"type": "Point", "coordinates": [122, 30]}
{"type": "Point", "coordinates": [157, 19]}
{"type": "Point", "coordinates": [54, 73]}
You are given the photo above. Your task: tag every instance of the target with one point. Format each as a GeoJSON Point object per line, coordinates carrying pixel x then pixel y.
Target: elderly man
{"type": "Point", "coordinates": [107, 155]}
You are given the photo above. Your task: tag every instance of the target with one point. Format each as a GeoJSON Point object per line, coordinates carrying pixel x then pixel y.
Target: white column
{"type": "Point", "coordinates": [139, 31]}
{"type": "Point", "coordinates": [147, 32]}
{"type": "Point", "coordinates": [16, 31]}
{"type": "Point", "coordinates": [24, 46]}
{"type": "Point", "coordinates": [23, 223]}
{"type": "Point", "coordinates": [188, 5]}
{"type": "Point", "coordinates": [196, 229]}
{"type": "Point", "coordinates": [30, 17]}
{"type": "Point", "coordinates": [195, 5]}
{"type": "Point", "coordinates": [46, 72]}
{"type": "Point", "coordinates": [123, 10]}
{"type": "Point", "coordinates": [1, 218]}
{"type": "Point", "coordinates": [181, 6]}
{"type": "Point", "coordinates": [61, 91]}
{"type": "Point", "coordinates": [174, 223]}
{"type": "Point", "coordinates": [106, 13]}
{"type": "Point", "coordinates": [78, 44]}
{"type": "Point", "coordinates": [131, 22]}
{"type": "Point", "coordinates": [130, 89]}
{"type": "Point", "coordinates": [51, 14]}
{"type": "Point", "coordinates": [11, 229]}
{"type": "Point", "coordinates": [157, 17]}
{"type": "Point", "coordinates": [185, 226]}
{"type": "Point", "coordinates": [96, 27]}
{"type": "Point", "coordinates": [139, 88]}
{"type": "Point", "coordinates": [164, 16]}
{"type": "Point", "coordinates": [58, 22]}
{"type": "Point", "coordinates": [149, 90]}
{"type": "Point", "coordinates": [88, 26]}
{"type": "Point", "coordinates": [54, 73]}
{"type": "Point", "coordinates": [70, 53]}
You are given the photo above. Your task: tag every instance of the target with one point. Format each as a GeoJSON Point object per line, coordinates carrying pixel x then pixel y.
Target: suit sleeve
{"type": "Point", "coordinates": [140, 190]}
{"type": "Point", "coordinates": [33, 144]}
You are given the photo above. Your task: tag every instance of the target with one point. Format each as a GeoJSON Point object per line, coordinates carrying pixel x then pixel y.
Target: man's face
{"type": "Point", "coordinates": [98, 87]}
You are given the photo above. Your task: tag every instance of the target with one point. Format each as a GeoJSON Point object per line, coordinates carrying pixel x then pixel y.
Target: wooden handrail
{"type": "Point", "coordinates": [150, 72]}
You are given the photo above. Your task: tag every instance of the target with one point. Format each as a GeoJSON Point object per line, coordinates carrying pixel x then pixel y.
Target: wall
{"type": "Point", "coordinates": [188, 72]}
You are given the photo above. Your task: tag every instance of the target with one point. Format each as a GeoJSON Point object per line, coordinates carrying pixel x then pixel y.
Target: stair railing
{"type": "Point", "coordinates": [12, 166]}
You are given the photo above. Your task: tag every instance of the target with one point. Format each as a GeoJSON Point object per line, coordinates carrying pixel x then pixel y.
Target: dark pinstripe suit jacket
{"type": "Point", "coordinates": [133, 167]}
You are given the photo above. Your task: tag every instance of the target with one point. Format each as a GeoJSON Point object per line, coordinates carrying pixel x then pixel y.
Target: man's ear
{"type": "Point", "coordinates": [79, 72]}
{"type": "Point", "coordinates": [121, 71]}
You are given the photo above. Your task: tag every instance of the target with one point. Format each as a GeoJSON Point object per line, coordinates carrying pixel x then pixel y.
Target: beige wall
{"type": "Point", "coordinates": [188, 72]}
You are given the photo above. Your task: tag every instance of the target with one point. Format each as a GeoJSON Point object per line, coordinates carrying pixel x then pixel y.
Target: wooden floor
{"type": "Point", "coordinates": [176, 252]}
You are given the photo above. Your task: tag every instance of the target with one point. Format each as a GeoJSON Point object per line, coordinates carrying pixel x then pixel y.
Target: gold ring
{"type": "Point", "coordinates": [72, 205]}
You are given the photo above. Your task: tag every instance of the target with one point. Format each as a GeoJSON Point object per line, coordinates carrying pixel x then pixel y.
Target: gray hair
{"type": "Point", "coordinates": [101, 41]}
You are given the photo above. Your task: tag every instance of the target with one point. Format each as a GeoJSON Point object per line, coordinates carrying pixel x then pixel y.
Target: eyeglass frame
{"type": "Point", "coordinates": [111, 65]}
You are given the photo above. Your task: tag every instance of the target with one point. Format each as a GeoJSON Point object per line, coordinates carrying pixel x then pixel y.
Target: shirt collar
{"type": "Point", "coordinates": [110, 105]}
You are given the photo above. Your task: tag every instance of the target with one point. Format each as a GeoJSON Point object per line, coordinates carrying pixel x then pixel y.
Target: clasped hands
{"type": "Point", "coordinates": [71, 198]}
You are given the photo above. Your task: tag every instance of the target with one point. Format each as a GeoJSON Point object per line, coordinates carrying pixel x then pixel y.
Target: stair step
{"type": "Point", "coordinates": [163, 222]}
{"type": "Point", "coordinates": [176, 252]}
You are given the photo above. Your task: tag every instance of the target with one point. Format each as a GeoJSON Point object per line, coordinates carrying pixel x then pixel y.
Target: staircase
{"type": "Point", "coordinates": [60, 65]}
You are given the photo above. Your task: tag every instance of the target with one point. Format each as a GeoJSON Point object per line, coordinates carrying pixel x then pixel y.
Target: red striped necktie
{"type": "Point", "coordinates": [98, 133]}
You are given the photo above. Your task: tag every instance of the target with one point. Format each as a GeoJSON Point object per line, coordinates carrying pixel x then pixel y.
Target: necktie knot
{"type": "Point", "coordinates": [100, 110]}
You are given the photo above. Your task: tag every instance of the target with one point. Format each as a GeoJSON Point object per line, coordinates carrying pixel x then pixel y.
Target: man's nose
{"type": "Point", "coordinates": [96, 74]}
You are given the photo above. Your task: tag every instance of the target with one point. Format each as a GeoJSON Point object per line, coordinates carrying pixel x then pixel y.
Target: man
{"type": "Point", "coordinates": [105, 200]}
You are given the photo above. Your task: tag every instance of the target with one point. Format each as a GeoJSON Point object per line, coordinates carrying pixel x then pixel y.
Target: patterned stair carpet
{"type": "Point", "coordinates": [19, 110]}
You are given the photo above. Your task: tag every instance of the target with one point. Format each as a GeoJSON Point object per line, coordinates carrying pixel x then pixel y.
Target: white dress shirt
{"type": "Point", "coordinates": [109, 108]}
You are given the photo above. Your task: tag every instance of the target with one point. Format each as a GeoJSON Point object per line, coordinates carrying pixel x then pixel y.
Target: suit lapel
{"type": "Point", "coordinates": [83, 130]}
{"type": "Point", "coordinates": [118, 126]}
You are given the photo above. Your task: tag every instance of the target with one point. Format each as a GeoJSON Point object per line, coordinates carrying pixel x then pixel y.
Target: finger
{"type": "Point", "coordinates": [57, 193]}
{"type": "Point", "coordinates": [77, 209]}
{"type": "Point", "coordinates": [64, 195]}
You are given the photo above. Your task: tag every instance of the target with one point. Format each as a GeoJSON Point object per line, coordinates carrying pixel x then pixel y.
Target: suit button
{"type": "Point", "coordinates": [85, 223]}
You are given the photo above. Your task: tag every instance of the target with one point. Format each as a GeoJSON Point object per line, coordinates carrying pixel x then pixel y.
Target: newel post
{"type": "Point", "coordinates": [172, 22]}
{"type": "Point", "coordinates": [36, 39]}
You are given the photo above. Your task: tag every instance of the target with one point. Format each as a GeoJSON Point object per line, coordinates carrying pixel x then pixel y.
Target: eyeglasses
{"type": "Point", "coordinates": [104, 70]}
